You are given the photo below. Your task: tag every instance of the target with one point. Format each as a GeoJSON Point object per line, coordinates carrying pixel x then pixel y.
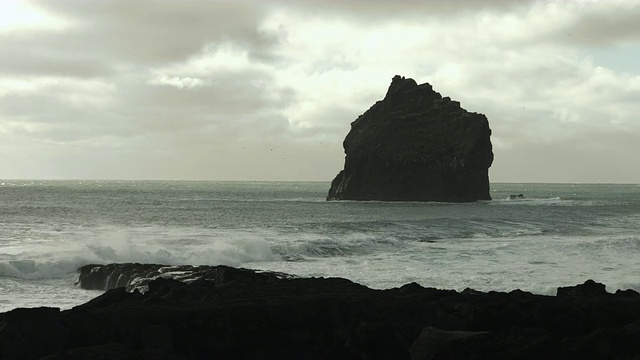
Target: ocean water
{"type": "Point", "coordinates": [559, 235]}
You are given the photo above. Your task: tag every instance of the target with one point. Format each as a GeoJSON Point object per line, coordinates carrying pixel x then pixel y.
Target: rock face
{"type": "Point", "coordinates": [244, 314]}
{"type": "Point", "coordinates": [415, 145]}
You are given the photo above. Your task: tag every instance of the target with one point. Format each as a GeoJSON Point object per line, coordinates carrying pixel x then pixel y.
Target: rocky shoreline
{"type": "Point", "coordinates": [229, 313]}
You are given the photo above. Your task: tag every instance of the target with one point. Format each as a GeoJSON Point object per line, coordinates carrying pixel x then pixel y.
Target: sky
{"type": "Point", "coordinates": [266, 90]}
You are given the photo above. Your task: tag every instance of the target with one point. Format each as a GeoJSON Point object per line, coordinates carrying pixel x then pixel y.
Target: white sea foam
{"type": "Point", "coordinates": [36, 270]}
{"type": "Point", "coordinates": [552, 201]}
{"type": "Point", "coordinates": [381, 260]}
{"type": "Point", "coordinates": [53, 260]}
{"type": "Point", "coordinates": [43, 272]}
{"type": "Point", "coordinates": [173, 247]}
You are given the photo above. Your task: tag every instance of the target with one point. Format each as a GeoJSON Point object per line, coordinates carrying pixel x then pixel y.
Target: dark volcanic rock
{"type": "Point", "coordinates": [137, 276]}
{"type": "Point", "coordinates": [415, 145]}
{"type": "Point", "coordinates": [244, 314]}
{"type": "Point", "coordinates": [589, 288]}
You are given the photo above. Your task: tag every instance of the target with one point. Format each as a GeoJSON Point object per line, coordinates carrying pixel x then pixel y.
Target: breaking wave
{"type": "Point", "coordinates": [232, 248]}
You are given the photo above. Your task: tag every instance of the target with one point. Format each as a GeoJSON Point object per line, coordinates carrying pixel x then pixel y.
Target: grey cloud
{"type": "Point", "coordinates": [223, 98]}
{"type": "Point", "coordinates": [531, 93]}
{"type": "Point", "coordinates": [603, 157]}
{"type": "Point", "coordinates": [232, 124]}
{"type": "Point", "coordinates": [51, 118]}
{"type": "Point", "coordinates": [156, 32]}
{"type": "Point", "coordinates": [137, 108]}
{"type": "Point", "coordinates": [104, 35]}
{"type": "Point", "coordinates": [46, 107]}
{"type": "Point", "coordinates": [604, 29]}
{"type": "Point", "coordinates": [230, 99]}
{"type": "Point", "coordinates": [19, 60]}
{"type": "Point", "coordinates": [216, 156]}
{"type": "Point", "coordinates": [330, 123]}
{"type": "Point", "coordinates": [70, 54]}
{"type": "Point", "coordinates": [393, 10]}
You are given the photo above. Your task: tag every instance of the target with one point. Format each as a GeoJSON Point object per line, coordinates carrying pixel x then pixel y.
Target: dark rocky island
{"type": "Point", "coordinates": [415, 145]}
{"type": "Point", "coordinates": [227, 313]}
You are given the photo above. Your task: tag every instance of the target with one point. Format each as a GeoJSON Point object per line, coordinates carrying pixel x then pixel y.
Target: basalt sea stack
{"type": "Point", "coordinates": [415, 145]}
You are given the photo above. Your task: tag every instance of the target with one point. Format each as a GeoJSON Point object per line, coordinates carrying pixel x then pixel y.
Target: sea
{"type": "Point", "coordinates": [557, 235]}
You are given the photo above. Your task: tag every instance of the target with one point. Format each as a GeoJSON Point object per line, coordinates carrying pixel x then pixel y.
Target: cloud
{"type": "Point", "coordinates": [267, 90]}
{"type": "Point", "coordinates": [99, 36]}
{"type": "Point", "coordinates": [597, 157]}
{"type": "Point", "coordinates": [603, 24]}
{"type": "Point", "coordinates": [382, 11]}
{"type": "Point", "coordinates": [155, 32]}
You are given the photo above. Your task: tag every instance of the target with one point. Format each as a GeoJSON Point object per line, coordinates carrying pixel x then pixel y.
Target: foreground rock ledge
{"type": "Point", "coordinates": [415, 145]}
{"type": "Point", "coordinates": [245, 314]}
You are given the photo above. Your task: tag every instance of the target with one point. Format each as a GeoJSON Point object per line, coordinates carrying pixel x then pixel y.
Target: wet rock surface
{"type": "Point", "coordinates": [415, 145]}
{"type": "Point", "coordinates": [133, 276]}
{"type": "Point", "coordinates": [243, 314]}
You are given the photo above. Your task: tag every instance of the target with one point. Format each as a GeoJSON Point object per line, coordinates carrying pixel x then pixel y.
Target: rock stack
{"type": "Point", "coordinates": [415, 145]}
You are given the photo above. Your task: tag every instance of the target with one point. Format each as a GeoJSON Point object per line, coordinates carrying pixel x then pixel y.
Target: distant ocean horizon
{"type": "Point", "coordinates": [327, 182]}
{"type": "Point", "coordinates": [560, 234]}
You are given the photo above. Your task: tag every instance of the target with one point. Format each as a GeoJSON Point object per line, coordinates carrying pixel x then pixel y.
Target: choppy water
{"type": "Point", "coordinates": [561, 234]}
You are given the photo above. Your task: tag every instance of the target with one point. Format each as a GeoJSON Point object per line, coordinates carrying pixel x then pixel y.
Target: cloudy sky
{"type": "Point", "coordinates": [266, 90]}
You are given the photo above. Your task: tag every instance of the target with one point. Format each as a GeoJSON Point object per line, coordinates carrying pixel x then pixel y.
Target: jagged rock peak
{"type": "Point", "coordinates": [415, 145]}
{"type": "Point", "coordinates": [400, 83]}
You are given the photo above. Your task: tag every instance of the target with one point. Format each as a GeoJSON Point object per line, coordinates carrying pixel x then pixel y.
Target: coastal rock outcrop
{"type": "Point", "coordinates": [134, 276]}
{"type": "Point", "coordinates": [232, 313]}
{"type": "Point", "coordinates": [415, 145]}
